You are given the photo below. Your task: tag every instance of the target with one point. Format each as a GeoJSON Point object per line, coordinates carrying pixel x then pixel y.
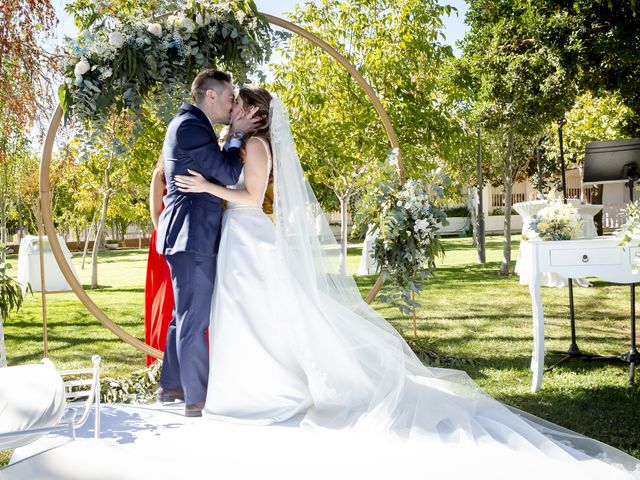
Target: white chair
{"type": "Point", "coordinates": [35, 400]}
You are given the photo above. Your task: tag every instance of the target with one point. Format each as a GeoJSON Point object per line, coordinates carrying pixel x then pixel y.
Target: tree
{"type": "Point", "coordinates": [395, 46]}
{"type": "Point", "coordinates": [23, 86]}
{"type": "Point", "coordinates": [592, 118]}
{"type": "Point", "coordinates": [596, 40]}
{"type": "Point", "coordinates": [24, 64]}
{"type": "Point", "coordinates": [521, 84]}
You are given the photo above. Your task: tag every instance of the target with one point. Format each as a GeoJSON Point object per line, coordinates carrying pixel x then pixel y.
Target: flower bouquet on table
{"type": "Point", "coordinates": [557, 221]}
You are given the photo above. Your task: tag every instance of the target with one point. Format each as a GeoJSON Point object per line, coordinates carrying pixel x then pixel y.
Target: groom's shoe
{"type": "Point", "coordinates": [166, 395]}
{"type": "Point", "coordinates": [194, 410]}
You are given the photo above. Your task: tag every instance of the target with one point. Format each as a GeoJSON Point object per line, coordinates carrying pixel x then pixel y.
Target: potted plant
{"type": "Point", "coordinates": [459, 220]}
{"type": "Point", "coordinates": [112, 244]}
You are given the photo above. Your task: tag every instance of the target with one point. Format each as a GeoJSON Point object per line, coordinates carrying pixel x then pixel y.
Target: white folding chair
{"type": "Point", "coordinates": [59, 413]}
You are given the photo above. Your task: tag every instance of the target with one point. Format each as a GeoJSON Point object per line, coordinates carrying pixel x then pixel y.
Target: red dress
{"type": "Point", "coordinates": [158, 299]}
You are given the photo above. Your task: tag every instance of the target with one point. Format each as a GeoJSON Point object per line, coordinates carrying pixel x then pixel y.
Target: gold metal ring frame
{"type": "Point", "coordinates": [45, 189]}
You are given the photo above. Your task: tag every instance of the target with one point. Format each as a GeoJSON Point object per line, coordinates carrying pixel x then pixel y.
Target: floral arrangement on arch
{"type": "Point", "coordinates": [557, 221]}
{"type": "Point", "coordinates": [119, 61]}
{"type": "Point", "coordinates": [407, 219]}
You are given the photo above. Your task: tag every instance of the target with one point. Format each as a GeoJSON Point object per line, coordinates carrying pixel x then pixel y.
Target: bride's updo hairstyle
{"type": "Point", "coordinates": [258, 97]}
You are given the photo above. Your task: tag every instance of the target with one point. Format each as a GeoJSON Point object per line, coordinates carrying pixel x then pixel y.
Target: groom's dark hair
{"type": "Point", "coordinates": [208, 80]}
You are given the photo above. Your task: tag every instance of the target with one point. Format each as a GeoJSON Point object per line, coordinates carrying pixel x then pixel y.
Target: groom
{"type": "Point", "coordinates": [189, 229]}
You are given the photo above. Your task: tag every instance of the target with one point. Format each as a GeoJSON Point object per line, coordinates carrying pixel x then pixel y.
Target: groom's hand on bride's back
{"type": "Point", "coordinates": [245, 122]}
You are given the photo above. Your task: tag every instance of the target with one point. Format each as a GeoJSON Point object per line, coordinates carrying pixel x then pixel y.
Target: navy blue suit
{"type": "Point", "coordinates": [188, 237]}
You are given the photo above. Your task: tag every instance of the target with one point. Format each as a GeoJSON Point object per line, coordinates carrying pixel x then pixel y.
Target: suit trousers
{"type": "Point", "coordinates": [186, 354]}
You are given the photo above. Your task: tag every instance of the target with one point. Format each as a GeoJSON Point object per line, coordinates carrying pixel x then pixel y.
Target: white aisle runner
{"type": "Point", "coordinates": [158, 442]}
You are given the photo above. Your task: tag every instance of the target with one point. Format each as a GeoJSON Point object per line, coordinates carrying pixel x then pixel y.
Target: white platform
{"type": "Point", "coordinates": [158, 442]}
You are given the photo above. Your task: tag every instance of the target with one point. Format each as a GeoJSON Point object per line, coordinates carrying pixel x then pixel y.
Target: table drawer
{"type": "Point", "coordinates": [586, 256]}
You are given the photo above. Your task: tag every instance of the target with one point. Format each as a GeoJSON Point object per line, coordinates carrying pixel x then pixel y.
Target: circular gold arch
{"type": "Point", "coordinates": [45, 188]}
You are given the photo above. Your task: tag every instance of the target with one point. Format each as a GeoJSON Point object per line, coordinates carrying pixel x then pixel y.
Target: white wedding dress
{"type": "Point", "coordinates": [253, 375]}
{"type": "Point", "coordinates": [291, 336]}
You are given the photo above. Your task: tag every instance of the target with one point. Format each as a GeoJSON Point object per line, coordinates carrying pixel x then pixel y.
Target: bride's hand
{"type": "Point", "coordinates": [194, 183]}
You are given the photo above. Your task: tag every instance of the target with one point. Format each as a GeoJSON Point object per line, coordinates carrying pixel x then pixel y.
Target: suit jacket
{"type": "Point", "coordinates": [190, 222]}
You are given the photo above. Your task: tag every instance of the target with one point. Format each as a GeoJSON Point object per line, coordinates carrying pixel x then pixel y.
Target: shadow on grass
{"type": "Point", "coordinates": [110, 288]}
{"type": "Point", "coordinates": [115, 256]}
{"type": "Point", "coordinates": [586, 410]}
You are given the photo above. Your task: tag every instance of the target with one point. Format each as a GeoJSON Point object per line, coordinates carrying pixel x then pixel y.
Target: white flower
{"type": "Point", "coordinates": [199, 20]}
{"type": "Point", "coordinates": [98, 48]}
{"type": "Point", "coordinates": [107, 72]}
{"type": "Point", "coordinates": [187, 24]}
{"type": "Point", "coordinates": [173, 20]}
{"type": "Point", "coordinates": [155, 29]}
{"type": "Point", "coordinates": [421, 224]}
{"type": "Point", "coordinates": [116, 39]}
{"type": "Point", "coordinates": [240, 16]}
{"type": "Point", "coordinates": [81, 68]}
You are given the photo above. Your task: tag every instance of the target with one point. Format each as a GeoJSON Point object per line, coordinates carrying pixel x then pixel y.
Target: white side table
{"type": "Point", "coordinates": [596, 257]}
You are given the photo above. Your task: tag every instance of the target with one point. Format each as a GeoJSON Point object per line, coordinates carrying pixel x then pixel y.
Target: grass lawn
{"type": "Point", "coordinates": [467, 311]}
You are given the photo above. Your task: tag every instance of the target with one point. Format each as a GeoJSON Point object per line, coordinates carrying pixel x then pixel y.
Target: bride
{"type": "Point", "coordinates": [291, 335]}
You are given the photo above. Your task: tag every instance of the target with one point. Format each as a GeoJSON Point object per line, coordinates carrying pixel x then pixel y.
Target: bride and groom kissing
{"type": "Point", "coordinates": [290, 337]}
{"type": "Point", "coordinates": [189, 227]}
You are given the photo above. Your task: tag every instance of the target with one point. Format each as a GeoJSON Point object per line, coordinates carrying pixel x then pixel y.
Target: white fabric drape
{"type": "Point", "coordinates": [31, 396]}
{"type": "Point", "coordinates": [360, 371]}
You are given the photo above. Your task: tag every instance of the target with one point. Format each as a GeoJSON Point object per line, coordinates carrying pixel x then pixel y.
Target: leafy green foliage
{"type": "Point", "coordinates": [460, 211]}
{"type": "Point", "coordinates": [396, 46]}
{"type": "Point", "coordinates": [11, 296]}
{"type": "Point", "coordinates": [430, 356]}
{"type": "Point", "coordinates": [407, 244]}
{"type": "Point", "coordinates": [592, 118]}
{"type": "Point", "coordinates": [631, 227]}
{"type": "Point", "coordinates": [120, 59]}
{"type": "Point", "coordinates": [521, 84]}
{"type": "Point", "coordinates": [596, 40]}
{"type": "Point", "coordinates": [139, 387]}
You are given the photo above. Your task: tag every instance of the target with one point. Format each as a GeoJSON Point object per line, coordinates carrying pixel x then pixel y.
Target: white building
{"type": "Point", "coordinates": [614, 200]}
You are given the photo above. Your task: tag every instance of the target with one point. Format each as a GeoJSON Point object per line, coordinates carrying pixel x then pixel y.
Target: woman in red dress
{"type": "Point", "coordinates": [158, 294]}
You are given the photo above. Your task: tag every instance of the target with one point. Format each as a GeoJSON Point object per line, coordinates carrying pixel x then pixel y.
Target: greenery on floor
{"type": "Point", "coordinates": [471, 319]}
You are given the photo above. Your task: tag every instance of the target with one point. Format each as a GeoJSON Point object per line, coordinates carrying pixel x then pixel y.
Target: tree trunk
{"type": "Point", "coordinates": [3, 350]}
{"type": "Point", "coordinates": [87, 238]}
{"type": "Point", "coordinates": [344, 212]}
{"type": "Point", "coordinates": [101, 227]}
{"type": "Point", "coordinates": [98, 241]}
{"type": "Point", "coordinates": [76, 236]}
{"type": "Point", "coordinates": [3, 217]}
{"type": "Point", "coordinates": [482, 254]}
{"type": "Point", "coordinates": [20, 235]}
{"type": "Point", "coordinates": [508, 184]}
{"type": "Point", "coordinates": [471, 205]}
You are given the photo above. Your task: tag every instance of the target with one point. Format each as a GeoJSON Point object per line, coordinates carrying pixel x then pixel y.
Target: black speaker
{"type": "Point", "coordinates": [611, 162]}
